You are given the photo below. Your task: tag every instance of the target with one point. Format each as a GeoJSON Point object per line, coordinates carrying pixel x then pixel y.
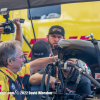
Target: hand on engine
{"type": "Point", "coordinates": [51, 82]}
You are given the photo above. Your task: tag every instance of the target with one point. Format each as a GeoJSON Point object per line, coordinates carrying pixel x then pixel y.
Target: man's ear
{"type": "Point", "coordinates": [9, 61]}
{"type": "Point", "coordinates": [47, 37]}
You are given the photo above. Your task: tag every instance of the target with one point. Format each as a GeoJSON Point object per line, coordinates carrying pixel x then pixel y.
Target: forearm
{"type": "Point", "coordinates": [40, 63]}
{"type": "Point", "coordinates": [19, 36]}
{"type": "Point", "coordinates": [36, 79]}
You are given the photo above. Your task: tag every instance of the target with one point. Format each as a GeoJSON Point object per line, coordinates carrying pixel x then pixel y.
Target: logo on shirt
{"type": "Point", "coordinates": [13, 86]}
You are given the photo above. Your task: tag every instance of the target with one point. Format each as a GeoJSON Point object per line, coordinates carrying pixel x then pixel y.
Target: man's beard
{"type": "Point", "coordinates": [21, 66]}
{"type": "Point", "coordinates": [52, 47]}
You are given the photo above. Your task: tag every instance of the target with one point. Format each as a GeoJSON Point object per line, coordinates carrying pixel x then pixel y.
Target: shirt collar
{"type": "Point", "coordinates": [9, 73]}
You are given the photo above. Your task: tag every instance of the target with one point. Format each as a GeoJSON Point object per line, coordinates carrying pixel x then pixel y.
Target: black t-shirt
{"type": "Point", "coordinates": [84, 86]}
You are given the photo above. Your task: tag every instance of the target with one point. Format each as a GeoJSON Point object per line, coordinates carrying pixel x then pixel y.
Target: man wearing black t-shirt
{"type": "Point", "coordinates": [83, 87]}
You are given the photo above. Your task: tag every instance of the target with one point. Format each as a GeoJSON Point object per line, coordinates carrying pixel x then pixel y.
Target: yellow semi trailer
{"type": "Point", "coordinates": [78, 19]}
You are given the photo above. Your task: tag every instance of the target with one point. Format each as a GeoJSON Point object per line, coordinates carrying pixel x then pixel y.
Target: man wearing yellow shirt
{"type": "Point", "coordinates": [12, 74]}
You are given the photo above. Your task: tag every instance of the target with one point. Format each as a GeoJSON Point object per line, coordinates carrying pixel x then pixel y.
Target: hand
{"type": "Point", "coordinates": [1, 29]}
{"type": "Point", "coordinates": [51, 82]}
{"type": "Point", "coordinates": [17, 23]}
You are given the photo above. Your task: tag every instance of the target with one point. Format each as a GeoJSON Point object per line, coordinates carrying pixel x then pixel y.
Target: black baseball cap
{"type": "Point", "coordinates": [57, 29]}
{"type": "Point", "coordinates": [40, 49]}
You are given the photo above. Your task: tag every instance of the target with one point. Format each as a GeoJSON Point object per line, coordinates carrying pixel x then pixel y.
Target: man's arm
{"type": "Point", "coordinates": [36, 79]}
{"type": "Point", "coordinates": [40, 63]}
{"type": "Point", "coordinates": [19, 35]}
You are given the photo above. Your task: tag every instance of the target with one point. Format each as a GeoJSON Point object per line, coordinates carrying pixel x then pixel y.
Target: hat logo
{"type": "Point", "coordinates": [56, 29]}
{"type": "Point", "coordinates": [39, 54]}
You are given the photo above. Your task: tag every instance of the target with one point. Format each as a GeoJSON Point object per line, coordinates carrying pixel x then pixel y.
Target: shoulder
{"type": "Point", "coordinates": [84, 79]}
{"type": "Point", "coordinates": [3, 76]}
{"type": "Point", "coordinates": [25, 70]}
